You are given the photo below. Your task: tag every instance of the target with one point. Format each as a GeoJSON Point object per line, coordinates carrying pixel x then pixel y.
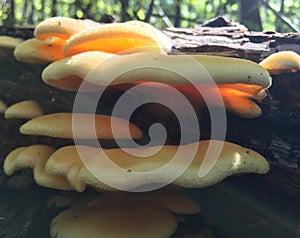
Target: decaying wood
{"type": "Point", "coordinates": [275, 134]}
{"type": "Point", "coordinates": [221, 37]}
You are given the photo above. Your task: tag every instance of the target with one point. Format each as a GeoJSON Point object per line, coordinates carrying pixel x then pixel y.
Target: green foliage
{"type": "Point", "coordinates": [185, 12]}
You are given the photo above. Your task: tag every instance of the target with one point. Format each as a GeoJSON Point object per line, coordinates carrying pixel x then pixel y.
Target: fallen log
{"type": "Point", "coordinates": [275, 134]}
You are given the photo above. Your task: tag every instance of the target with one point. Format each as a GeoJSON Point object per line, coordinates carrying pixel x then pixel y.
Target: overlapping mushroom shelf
{"type": "Point", "coordinates": [129, 58]}
{"type": "Point", "coordinates": [65, 168]}
{"type": "Point", "coordinates": [235, 94]}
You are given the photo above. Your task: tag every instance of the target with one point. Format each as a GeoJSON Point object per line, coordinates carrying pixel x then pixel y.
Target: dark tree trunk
{"type": "Point", "coordinates": [53, 8]}
{"type": "Point", "coordinates": [250, 15]}
{"type": "Point", "coordinates": [125, 5]}
{"type": "Point", "coordinates": [277, 21]}
{"type": "Point", "coordinates": [177, 20]}
{"type": "Point", "coordinates": [149, 12]}
{"type": "Point", "coordinates": [43, 12]}
{"type": "Point", "coordinates": [11, 13]}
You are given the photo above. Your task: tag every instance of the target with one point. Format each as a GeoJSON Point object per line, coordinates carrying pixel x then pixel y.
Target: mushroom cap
{"type": "Point", "coordinates": [282, 62]}
{"type": "Point", "coordinates": [238, 80]}
{"type": "Point", "coordinates": [35, 157]}
{"type": "Point", "coordinates": [65, 168]}
{"type": "Point", "coordinates": [164, 39]}
{"type": "Point", "coordinates": [121, 38]}
{"type": "Point", "coordinates": [170, 198]}
{"type": "Point", "coordinates": [24, 110]}
{"type": "Point", "coordinates": [40, 51]}
{"type": "Point", "coordinates": [150, 67]}
{"type": "Point", "coordinates": [8, 44]}
{"type": "Point", "coordinates": [2, 106]}
{"type": "Point", "coordinates": [70, 166]}
{"type": "Point", "coordinates": [233, 159]}
{"type": "Point", "coordinates": [61, 27]}
{"type": "Point", "coordinates": [61, 125]}
{"type": "Point", "coordinates": [127, 222]}
{"type": "Point", "coordinates": [69, 73]}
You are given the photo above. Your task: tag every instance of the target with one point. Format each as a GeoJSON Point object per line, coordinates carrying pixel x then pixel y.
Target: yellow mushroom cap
{"type": "Point", "coordinates": [8, 44]}
{"type": "Point", "coordinates": [126, 222]}
{"type": "Point", "coordinates": [65, 169]}
{"type": "Point", "coordinates": [40, 51]}
{"type": "Point", "coordinates": [35, 157]}
{"type": "Point", "coordinates": [70, 166]}
{"type": "Point", "coordinates": [60, 125]}
{"type": "Point", "coordinates": [2, 106]}
{"type": "Point", "coordinates": [282, 62]}
{"type": "Point", "coordinates": [69, 73]}
{"type": "Point", "coordinates": [61, 27]}
{"type": "Point", "coordinates": [9, 163]}
{"type": "Point", "coordinates": [233, 159]}
{"type": "Point", "coordinates": [150, 67]}
{"type": "Point", "coordinates": [24, 110]}
{"type": "Point", "coordinates": [164, 39]}
{"type": "Point", "coordinates": [238, 80]}
{"type": "Point", "coordinates": [122, 38]}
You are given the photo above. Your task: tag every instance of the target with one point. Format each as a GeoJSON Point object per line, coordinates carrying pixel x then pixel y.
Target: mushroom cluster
{"type": "Point", "coordinates": [83, 52]}
{"type": "Point", "coordinates": [151, 214]}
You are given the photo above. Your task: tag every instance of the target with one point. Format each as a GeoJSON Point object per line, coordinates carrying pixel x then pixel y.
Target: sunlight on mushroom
{"type": "Point", "coordinates": [69, 73]}
{"type": "Point", "coordinates": [61, 27]}
{"type": "Point", "coordinates": [238, 81]}
{"type": "Point", "coordinates": [132, 53]}
{"type": "Point", "coordinates": [118, 38]}
{"type": "Point", "coordinates": [40, 51]}
{"type": "Point", "coordinates": [61, 162]}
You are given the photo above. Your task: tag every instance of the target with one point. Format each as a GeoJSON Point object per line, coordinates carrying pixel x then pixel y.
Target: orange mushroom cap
{"type": "Point", "coordinates": [236, 80]}
{"type": "Point", "coordinates": [40, 51]}
{"type": "Point", "coordinates": [121, 38]}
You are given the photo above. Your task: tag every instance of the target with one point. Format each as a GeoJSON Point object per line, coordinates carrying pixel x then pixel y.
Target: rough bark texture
{"type": "Point", "coordinates": [275, 134]}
